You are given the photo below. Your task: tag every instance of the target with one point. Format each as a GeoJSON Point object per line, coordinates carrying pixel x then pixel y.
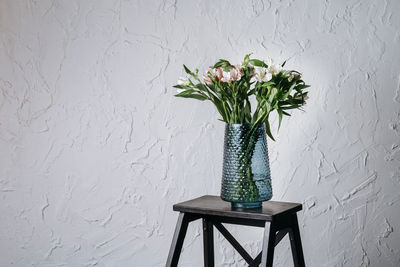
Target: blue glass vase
{"type": "Point", "coordinates": [246, 180]}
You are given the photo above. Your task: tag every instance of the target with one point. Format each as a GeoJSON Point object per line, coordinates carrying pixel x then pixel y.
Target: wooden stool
{"type": "Point", "coordinates": [277, 218]}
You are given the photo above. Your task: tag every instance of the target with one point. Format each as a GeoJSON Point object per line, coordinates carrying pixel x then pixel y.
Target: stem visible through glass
{"type": "Point", "coordinates": [246, 186]}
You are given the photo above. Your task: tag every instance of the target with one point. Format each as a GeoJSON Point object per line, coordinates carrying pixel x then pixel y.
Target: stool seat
{"type": "Point", "coordinates": [214, 205]}
{"type": "Point", "coordinates": [277, 219]}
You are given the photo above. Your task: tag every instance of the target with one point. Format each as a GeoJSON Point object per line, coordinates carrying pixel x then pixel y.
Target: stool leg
{"type": "Point", "coordinates": [177, 240]}
{"type": "Point", "coordinates": [208, 243]}
{"type": "Point", "coordinates": [295, 243]}
{"type": "Point", "coordinates": [267, 257]}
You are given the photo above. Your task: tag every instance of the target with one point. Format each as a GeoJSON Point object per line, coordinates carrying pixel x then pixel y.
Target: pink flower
{"type": "Point", "coordinates": [236, 73]}
{"type": "Point", "coordinates": [294, 76]}
{"type": "Point", "coordinates": [219, 73]}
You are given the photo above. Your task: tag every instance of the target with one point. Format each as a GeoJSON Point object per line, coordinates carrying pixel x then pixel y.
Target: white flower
{"type": "Point", "coordinates": [226, 76]}
{"type": "Point", "coordinates": [274, 69]}
{"type": "Point", "coordinates": [211, 73]}
{"type": "Point", "coordinates": [270, 61]}
{"type": "Point", "coordinates": [183, 81]}
{"type": "Point", "coordinates": [262, 74]}
{"type": "Point", "coordinates": [206, 78]}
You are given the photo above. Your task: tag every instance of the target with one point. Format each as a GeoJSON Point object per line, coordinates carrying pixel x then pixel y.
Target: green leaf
{"type": "Point", "coordinates": [267, 106]}
{"type": "Point", "coordinates": [280, 113]}
{"type": "Point", "coordinates": [227, 68]}
{"type": "Point", "coordinates": [198, 97]}
{"type": "Point", "coordinates": [201, 87]}
{"type": "Point", "coordinates": [266, 84]}
{"type": "Point", "coordinates": [247, 111]}
{"type": "Point", "coordinates": [246, 59]}
{"type": "Point", "coordinates": [187, 70]}
{"type": "Point", "coordinates": [289, 91]}
{"type": "Point", "coordinates": [298, 101]}
{"type": "Point", "coordinates": [222, 63]}
{"type": "Point", "coordinates": [268, 129]}
{"type": "Point", "coordinates": [186, 92]}
{"type": "Point", "coordinates": [283, 64]}
{"type": "Point", "coordinates": [194, 75]}
{"type": "Point", "coordinates": [258, 63]}
{"type": "Point", "coordinates": [221, 110]}
{"type": "Point", "coordinates": [194, 96]}
{"type": "Point", "coordinates": [251, 92]}
{"type": "Point", "coordinates": [186, 87]}
{"type": "Point", "coordinates": [290, 107]}
{"type": "Point", "coordinates": [273, 93]}
{"type": "Point", "coordinates": [302, 86]}
{"type": "Point", "coordinates": [190, 93]}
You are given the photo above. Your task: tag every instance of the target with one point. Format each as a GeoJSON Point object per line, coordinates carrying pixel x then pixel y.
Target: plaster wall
{"type": "Point", "coordinates": [95, 149]}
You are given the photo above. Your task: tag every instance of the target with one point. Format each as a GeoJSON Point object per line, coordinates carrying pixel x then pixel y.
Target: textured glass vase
{"type": "Point", "coordinates": [246, 180]}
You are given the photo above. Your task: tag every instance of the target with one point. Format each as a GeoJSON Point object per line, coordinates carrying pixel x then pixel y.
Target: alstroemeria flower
{"type": "Point", "coordinates": [262, 74]}
{"type": "Point", "coordinates": [290, 77]}
{"type": "Point", "coordinates": [226, 76]}
{"type": "Point", "coordinates": [183, 81]}
{"type": "Point", "coordinates": [236, 73]}
{"type": "Point", "coordinates": [252, 71]}
{"type": "Point", "coordinates": [294, 76]}
{"type": "Point", "coordinates": [211, 73]}
{"type": "Point", "coordinates": [207, 78]}
{"type": "Point", "coordinates": [219, 73]}
{"type": "Point", "coordinates": [274, 69]}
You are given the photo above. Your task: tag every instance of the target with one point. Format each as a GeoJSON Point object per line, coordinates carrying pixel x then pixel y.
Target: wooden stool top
{"type": "Point", "coordinates": [215, 206]}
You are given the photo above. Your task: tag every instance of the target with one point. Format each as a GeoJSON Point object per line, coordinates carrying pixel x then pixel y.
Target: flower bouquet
{"type": "Point", "coordinates": [232, 89]}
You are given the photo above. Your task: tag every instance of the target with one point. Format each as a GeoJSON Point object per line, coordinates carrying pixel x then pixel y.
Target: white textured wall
{"type": "Point", "coordinates": [95, 149]}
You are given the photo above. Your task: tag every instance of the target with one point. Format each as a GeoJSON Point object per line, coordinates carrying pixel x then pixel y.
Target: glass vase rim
{"type": "Point", "coordinates": [242, 124]}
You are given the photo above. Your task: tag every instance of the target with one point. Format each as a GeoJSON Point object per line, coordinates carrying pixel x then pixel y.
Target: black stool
{"type": "Point", "coordinates": [278, 219]}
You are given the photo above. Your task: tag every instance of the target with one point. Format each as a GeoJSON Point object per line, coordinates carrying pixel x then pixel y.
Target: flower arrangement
{"type": "Point", "coordinates": [246, 176]}
{"type": "Point", "coordinates": [229, 87]}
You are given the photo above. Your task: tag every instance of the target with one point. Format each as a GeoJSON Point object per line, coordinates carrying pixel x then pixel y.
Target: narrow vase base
{"type": "Point", "coordinates": [246, 205]}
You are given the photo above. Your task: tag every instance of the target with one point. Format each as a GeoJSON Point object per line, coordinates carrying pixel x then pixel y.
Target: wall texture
{"type": "Point", "coordinates": [95, 149]}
